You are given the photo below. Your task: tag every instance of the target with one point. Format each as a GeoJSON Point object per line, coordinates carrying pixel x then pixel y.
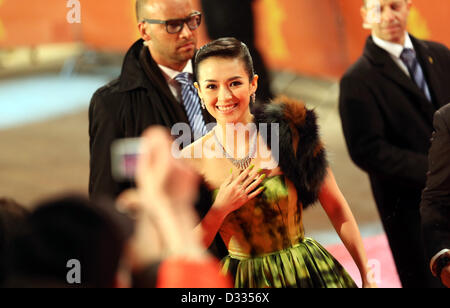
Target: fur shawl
{"type": "Point", "coordinates": [302, 156]}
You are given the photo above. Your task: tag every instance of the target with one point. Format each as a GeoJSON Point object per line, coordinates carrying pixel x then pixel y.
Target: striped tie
{"type": "Point", "coordinates": [191, 103]}
{"type": "Point", "coordinates": [408, 57]}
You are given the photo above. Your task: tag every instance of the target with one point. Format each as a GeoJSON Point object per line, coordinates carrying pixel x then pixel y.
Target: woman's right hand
{"type": "Point", "coordinates": [236, 191]}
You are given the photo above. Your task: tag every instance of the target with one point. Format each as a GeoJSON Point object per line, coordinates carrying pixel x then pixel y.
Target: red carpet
{"type": "Point", "coordinates": [380, 258]}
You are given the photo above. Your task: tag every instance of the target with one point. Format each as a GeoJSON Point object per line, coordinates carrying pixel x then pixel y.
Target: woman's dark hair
{"type": "Point", "coordinates": [227, 47]}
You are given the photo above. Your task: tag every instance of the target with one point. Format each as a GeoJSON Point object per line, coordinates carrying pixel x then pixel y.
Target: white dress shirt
{"type": "Point", "coordinates": [170, 75]}
{"type": "Point", "coordinates": [395, 50]}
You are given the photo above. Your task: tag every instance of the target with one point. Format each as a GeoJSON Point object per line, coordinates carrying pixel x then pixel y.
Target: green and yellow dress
{"type": "Point", "coordinates": [267, 247]}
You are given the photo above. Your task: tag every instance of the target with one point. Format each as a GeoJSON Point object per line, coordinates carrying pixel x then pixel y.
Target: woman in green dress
{"type": "Point", "coordinates": [262, 181]}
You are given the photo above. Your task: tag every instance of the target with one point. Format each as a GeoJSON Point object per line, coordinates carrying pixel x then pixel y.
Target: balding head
{"type": "Point", "coordinates": [387, 19]}
{"type": "Point", "coordinates": [172, 50]}
{"type": "Point", "coordinates": [145, 7]}
{"type": "Point", "coordinates": [148, 8]}
{"type": "Point", "coordinates": [139, 9]}
{"type": "Point", "coordinates": [368, 2]}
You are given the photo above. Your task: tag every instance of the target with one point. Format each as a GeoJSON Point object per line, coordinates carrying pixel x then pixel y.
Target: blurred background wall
{"type": "Point", "coordinates": [318, 38]}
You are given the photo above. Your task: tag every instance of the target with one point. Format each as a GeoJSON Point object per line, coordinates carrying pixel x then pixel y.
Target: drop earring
{"type": "Point", "coordinates": [202, 103]}
{"type": "Point", "coordinates": [253, 98]}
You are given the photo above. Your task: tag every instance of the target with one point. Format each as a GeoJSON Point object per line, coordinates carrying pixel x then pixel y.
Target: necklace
{"type": "Point", "coordinates": [239, 163]}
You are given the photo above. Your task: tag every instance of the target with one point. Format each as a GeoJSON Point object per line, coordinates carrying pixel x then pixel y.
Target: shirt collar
{"type": "Point", "coordinates": [393, 48]}
{"type": "Point", "coordinates": [170, 74]}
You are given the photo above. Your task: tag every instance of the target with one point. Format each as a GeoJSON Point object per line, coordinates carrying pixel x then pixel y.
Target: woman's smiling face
{"type": "Point", "coordinates": [225, 87]}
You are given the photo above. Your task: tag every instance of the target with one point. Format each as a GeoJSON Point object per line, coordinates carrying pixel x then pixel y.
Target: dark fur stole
{"type": "Point", "coordinates": [302, 156]}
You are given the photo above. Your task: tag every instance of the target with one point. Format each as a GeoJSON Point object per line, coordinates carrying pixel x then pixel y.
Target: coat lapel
{"type": "Point", "coordinates": [390, 70]}
{"type": "Point", "coordinates": [427, 62]}
{"type": "Point", "coordinates": [156, 77]}
{"type": "Point", "coordinates": [170, 106]}
{"type": "Point", "coordinates": [141, 71]}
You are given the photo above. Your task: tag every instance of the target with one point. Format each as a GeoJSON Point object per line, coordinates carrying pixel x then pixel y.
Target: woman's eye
{"type": "Point", "coordinates": [236, 83]}
{"type": "Point", "coordinates": [211, 86]}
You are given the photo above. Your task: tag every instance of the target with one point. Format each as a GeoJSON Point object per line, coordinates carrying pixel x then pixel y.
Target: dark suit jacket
{"type": "Point", "coordinates": [387, 120]}
{"type": "Point", "coordinates": [435, 206]}
{"type": "Point", "coordinates": [124, 108]}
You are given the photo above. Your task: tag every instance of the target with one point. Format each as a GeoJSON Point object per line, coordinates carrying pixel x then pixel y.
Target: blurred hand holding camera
{"type": "Point", "coordinates": [162, 203]}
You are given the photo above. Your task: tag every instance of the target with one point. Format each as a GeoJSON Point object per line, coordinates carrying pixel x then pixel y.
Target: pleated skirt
{"type": "Point", "coordinates": [304, 265]}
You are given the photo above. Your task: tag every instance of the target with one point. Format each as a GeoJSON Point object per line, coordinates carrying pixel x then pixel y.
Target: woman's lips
{"type": "Point", "coordinates": [226, 108]}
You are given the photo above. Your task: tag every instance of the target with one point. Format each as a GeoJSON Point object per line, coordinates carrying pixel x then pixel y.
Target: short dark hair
{"type": "Point", "coordinates": [227, 47]}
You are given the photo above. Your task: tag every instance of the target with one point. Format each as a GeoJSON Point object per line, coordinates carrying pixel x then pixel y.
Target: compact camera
{"type": "Point", "coordinates": [124, 155]}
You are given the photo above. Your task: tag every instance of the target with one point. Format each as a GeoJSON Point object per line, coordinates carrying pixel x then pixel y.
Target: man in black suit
{"type": "Point", "coordinates": [148, 91]}
{"type": "Point", "coordinates": [435, 206]}
{"type": "Point", "coordinates": [387, 102]}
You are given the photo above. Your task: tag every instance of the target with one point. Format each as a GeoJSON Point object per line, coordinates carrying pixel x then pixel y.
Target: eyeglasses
{"type": "Point", "coordinates": [176, 25]}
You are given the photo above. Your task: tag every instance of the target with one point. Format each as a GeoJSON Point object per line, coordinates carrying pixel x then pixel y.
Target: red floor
{"type": "Point", "coordinates": [380, 259]}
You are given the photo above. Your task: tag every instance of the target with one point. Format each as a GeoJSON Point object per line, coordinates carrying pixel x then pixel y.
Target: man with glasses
{"type": "Point", "coordinates": [154, 88]}
{"type": "Point", "coordinates": [387, 102]}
